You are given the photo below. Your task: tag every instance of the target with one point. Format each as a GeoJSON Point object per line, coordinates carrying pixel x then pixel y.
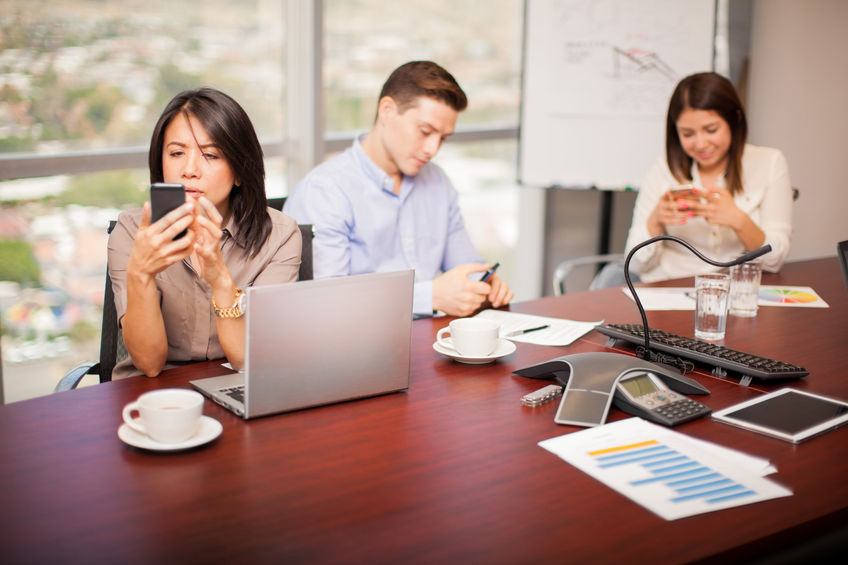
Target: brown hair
{"type": "Point", "coordinates": [706, 91]}
{"type": "Point", "coordinates": [229, 127]}
{"type": "Point", "coordinates": [412, 80]}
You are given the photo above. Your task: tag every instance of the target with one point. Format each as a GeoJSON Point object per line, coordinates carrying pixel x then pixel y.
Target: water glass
{"type": "Point", "coordinates": [711, 297]}
{"type": "Point", "coordinates": [745, 289]}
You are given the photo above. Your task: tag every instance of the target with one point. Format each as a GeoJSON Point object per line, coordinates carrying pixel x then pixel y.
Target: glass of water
{"type": "Point", "coordinates": [745, 289]}
{"type": "Point", "coordinates": [711, 296]}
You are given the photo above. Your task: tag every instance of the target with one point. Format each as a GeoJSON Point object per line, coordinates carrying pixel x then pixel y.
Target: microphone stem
{"type": "Point", "coordinates": [741, 259]}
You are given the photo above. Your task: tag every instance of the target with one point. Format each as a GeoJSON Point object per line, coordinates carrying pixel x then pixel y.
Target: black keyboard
{"type": "Point", "coordinates": [710, 354]}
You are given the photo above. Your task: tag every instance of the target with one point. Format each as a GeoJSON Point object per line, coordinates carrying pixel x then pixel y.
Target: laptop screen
{"type": "Point", "coordinates": [842, 251]}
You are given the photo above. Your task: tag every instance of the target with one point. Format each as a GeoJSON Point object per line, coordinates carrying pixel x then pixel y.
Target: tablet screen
{"type": "Point", "coordinates": [791, 413]}
{"type": "Point", "coordinates": [788, 414]}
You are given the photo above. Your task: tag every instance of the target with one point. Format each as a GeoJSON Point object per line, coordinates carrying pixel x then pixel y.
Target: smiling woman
{"type": "Point", "coordinates": [163, 286]}
{"type": "Point", "coordinates": [744, 193]}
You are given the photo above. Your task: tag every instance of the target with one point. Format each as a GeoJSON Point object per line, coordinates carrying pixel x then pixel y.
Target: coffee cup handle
{"type": "Point", "coordinates": [441, 340]}
{"type": "Point", "coordinates": [134, 423]}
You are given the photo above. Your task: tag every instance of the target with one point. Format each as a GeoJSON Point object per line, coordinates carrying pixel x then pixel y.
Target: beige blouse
{"type": "Point", "coordinates": [186, 299]}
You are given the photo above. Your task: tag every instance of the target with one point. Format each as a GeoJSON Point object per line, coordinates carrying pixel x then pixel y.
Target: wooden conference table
{"type": "Point", "coordinates": [449, 471]}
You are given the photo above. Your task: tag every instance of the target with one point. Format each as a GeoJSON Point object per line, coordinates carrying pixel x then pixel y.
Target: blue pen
{"type": "Point", "coordinates": [488, 274]}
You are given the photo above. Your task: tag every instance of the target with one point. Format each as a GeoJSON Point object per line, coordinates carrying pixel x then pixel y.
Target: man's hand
{"type": "Point", "coordinates": [455, 294]}
{"type": "Point", "coordinates": [500, 294]}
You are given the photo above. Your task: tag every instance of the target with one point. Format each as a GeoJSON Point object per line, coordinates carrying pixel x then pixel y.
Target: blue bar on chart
{"type": "Point", "coordinates": [686, 478]}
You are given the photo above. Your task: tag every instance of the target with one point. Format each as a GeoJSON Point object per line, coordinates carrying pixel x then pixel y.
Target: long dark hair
{"type": "Point", "coordinates": [706, 91]}
{"type": "Point", "coordinates": [230, 129]}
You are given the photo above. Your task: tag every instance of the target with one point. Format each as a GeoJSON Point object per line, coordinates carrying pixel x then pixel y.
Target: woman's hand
{"type": "Point", "coordinates": [154, 248]}
{"type": "Point", "coordinates": [207, 226]}
{"type": "Point", "coordinates": [721, 209]}
{"type": "Point", "coordinates": [669, 211]}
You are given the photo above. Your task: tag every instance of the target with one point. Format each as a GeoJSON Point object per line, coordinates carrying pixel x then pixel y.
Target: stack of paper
{"type": "Point", "coordinates": [669, 473]}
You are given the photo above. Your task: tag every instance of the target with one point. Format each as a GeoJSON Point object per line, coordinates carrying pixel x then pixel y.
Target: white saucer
{"type": "Point", "coordinates": [210, 428]}
{"type": "Point", "coordinates": [505, 347]}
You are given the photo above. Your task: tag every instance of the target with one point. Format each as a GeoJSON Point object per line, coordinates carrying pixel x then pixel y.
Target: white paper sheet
{"type": "Point", "coordinates": [664, 298]}
{"type": "Point", "coordinates": [559, 331]}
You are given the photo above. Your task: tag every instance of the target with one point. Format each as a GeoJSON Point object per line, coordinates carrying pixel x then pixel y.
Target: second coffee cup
{"type": "Point", "coordinates": [169, 415]}
{"type": "Point", "coordinates": [470, 337]}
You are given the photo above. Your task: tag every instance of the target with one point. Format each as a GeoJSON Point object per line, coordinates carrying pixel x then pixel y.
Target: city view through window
{"type": "Point", "coordinates": [87, 75]}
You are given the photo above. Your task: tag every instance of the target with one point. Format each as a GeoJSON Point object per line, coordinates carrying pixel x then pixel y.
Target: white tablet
{"type": "Point", "coordinates": [788, 414]}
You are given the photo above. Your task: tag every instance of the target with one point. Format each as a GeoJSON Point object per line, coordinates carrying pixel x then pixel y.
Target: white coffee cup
{"type": "Point", "coordinates": [470, 337]}
{"type": "Point", "coordinates": [169, 415]}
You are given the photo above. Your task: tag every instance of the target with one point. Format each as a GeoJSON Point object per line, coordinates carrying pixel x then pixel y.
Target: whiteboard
{"type": "Point", "coordinates": [596, 82]}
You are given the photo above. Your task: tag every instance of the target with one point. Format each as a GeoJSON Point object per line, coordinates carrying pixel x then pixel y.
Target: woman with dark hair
{"type": "Point", "coordinates": [181, 300]}
{"type": "Point", "coordinates": [739, 196]}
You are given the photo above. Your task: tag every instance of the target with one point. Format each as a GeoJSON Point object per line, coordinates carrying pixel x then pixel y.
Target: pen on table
{"type": "Point", "coordinates": [528, 330]}
{"type": "Point", "coordinates": [490, 272]}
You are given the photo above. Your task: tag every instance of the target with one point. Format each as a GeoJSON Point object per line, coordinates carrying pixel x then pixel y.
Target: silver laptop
{"type": "Point", "coordinates": [317, 342]}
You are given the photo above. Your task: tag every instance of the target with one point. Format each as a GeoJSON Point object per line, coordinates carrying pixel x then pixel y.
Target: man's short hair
{"type": "Point", "coordinates": [412, 80]}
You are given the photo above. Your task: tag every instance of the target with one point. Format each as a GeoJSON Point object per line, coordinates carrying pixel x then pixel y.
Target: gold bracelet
{"type": "Point", "coordinates": [235, 311]}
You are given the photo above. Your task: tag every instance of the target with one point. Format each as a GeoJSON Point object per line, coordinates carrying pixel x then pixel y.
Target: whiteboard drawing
{"type": "Point", "coordinates": [598, 75]}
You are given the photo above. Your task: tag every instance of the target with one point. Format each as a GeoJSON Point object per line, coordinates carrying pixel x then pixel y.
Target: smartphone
{"type": "Point", "coordinates": [686, 192]}
{"type": "Point", "coordinates": [165, 197]}
{"type": "Point", "coordinates": [682, 190]}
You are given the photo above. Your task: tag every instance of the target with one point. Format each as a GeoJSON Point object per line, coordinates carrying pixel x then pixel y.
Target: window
{"type": "Point", "coordinates": [82, 83]}
{"type": "Point", "coordinates": [85, 77]}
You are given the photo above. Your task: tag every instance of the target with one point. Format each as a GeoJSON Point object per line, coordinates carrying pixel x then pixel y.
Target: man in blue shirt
{"type": "Point", "coordinates": [383, 206]}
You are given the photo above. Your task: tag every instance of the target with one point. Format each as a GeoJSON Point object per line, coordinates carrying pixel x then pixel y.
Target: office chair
{"type": "Point", "coordinates": [307, 232]}
{"type": "Point", "coordinates": [112, 348]}
{"type": "Point", "coordinates": [565, 268]}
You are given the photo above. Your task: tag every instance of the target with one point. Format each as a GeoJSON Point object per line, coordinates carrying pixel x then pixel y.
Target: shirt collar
{"type": "Point", "coordinates": [372, 170]}
{"type": "Point", "coordinates": [230, 230]}
{"type": "Point", "coordinates": [696, 177]}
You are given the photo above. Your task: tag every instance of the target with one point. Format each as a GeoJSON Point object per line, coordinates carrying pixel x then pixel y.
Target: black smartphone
{"type": "Point", "coordinates": [165, 197]}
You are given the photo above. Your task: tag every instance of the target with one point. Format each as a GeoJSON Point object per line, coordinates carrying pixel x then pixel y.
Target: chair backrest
{"type": "Point", "coordinates": [307, 232]}
{"type": "Point", "coordinates": [565, 268]}
{"type": "Point", "coordinates": [111, 339]}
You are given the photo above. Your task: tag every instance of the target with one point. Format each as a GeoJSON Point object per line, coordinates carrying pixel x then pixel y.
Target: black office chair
{"type": "Point", "coordinates": [112, 348]}
{"type": "Point", "coordinates": [307, 232]}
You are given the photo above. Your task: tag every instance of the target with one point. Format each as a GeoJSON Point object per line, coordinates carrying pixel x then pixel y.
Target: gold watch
{"type": "Point", "coordinates": [234, 311]}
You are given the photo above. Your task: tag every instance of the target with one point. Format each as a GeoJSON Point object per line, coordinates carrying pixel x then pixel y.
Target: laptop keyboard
{"type": "Point", "coordinates": [235, 392]}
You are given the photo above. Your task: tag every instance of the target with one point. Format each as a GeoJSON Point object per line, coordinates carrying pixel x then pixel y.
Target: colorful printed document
{"type": "Point", "coordinates": [669, 473]}
{"type": "Point", "coordinates": [790, 296]}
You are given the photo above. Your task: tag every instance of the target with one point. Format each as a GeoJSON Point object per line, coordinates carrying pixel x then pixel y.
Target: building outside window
{"type": "Point", "coordinates": [82, 79]}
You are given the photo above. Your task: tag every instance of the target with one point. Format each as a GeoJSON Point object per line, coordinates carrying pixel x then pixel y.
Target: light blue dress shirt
{"type": "Point", "coordinates": [362, 226]}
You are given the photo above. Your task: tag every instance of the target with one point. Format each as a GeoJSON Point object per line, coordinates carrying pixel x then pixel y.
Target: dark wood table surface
{"type": "Point", "coordinates": [449, 471]}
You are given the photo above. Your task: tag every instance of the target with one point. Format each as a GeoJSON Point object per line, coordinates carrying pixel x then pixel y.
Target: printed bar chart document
{"type": "Point", "coordinates": [667, 472]}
